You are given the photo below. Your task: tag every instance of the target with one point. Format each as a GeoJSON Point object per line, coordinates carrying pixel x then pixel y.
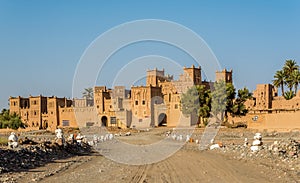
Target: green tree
{"type": "Point", "coordinates": [288, 95]}
{"type": "Point", "coordinates": [219, 99]}
{"type": "Point", "coordinates": [289, 67]}
{"type": "Point", "coordinates": [88, 93]}
{"type": "Point", "coordinates": [239, 108]}
{"type": "Point", "coordinates": [289, 76]}
{"type": "Point", "coordinates": [190, 101]}
{"type": "Point", "coordinates": [230, 92]}
{"type": "Point", "coordinates": [197, 100]}
{"type": "Point", "coordinates": [204, 103]}
{"type": "Point", "coordinates": [279, 79]}
{"type": "Point", "coordinates": [12, 121]}
{"type": "Point", "coordinates": [295, 77]}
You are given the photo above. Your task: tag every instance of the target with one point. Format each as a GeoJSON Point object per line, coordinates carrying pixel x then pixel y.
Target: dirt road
{"type": "Point", "coordinates": [187, 165]}
{"type": "Point", "coordinates": [184, 166]}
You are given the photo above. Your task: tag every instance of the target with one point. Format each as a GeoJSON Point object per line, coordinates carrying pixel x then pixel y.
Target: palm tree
{"type": "Point", "coordinates": [288, 95]}
{"type": "Point", "coordinates": [279, 80]}
{"type": "Point", "coordinates": [289, 67]}
{"type": "Point", "coordinates": [295, 79]}
{"type": "Point", "coordinates": [88, 93]}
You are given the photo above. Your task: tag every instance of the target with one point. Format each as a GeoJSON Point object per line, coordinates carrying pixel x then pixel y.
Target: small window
{"type": "Point", "coordinates": [136, 102]}
{"type": "Point", "coordinates": [144, 102]}
{"type": "Point", "coordinates": [176, 106]}
{"type": "Point", "coordinates": [65, 122]}
{"type": "Point", "coordinates": [97, 106]}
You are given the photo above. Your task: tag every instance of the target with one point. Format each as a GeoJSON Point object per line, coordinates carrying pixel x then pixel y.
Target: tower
{"type": "Point", "coordinates": [154, 76]}
{"type": "Point", "coordinates": [224, 75]}
{"type": "Point", "coordinates": [194, 74]}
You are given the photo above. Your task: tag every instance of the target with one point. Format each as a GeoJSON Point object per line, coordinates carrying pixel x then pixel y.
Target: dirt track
{"type": "Point", "coordinates": [187, 165]}
{"type": "Point", "coordinates": [184, 166]}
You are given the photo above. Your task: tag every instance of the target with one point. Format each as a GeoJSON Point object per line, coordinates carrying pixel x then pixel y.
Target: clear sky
{"type": "Point", "coordinates": [41, 42]}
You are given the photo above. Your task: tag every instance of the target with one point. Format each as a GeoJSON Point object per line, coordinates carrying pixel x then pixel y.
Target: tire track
{"type": "Point", "coordinates": [140, 174]}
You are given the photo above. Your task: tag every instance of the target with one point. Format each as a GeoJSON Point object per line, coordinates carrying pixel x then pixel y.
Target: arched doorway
{"type": "Point", "coordinates": [162, 119]}
{"type": "Point", "coordinates": [104, 121]}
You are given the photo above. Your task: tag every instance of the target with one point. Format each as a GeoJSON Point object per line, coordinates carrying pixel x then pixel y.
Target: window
{"type": "Point", "coordinates": [136, 102]}
{"type": "Point", "coordinates": [97, 106]}
{"type": "Point", "coordinates": [89, 124]}
{"type": "Point", "coordinates": [113, 120]}
{"type": "Point", "coordinates": [176, 106]}
{"type": "Point", "coordinates": [144, 102]}
{"type": "Point", "coordinates": [65, 123]}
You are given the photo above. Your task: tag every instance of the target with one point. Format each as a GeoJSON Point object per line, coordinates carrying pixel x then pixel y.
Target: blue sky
{"type": "Point", "coordinates": [41, 42]}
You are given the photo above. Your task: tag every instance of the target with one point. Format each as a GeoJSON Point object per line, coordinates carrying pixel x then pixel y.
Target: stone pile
{"type": "Point", "coordinates": [94, 140]}
{"type": "Point", "coordinates": [29, 156]}
{"type": "Point", "coordinates": [13, 140]}
{"type": "Point", "coordinates": [257, 142]}
{"type": "Point", "coordinates": [283, 154]}
{"type": "Point", "coordinates": [286, 149]}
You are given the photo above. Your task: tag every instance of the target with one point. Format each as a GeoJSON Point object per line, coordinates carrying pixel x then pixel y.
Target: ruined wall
{"type": "Point", "coordinates": [282, 103]}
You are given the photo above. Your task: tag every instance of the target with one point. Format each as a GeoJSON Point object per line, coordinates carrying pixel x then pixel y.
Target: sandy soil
{"type": "Point", "coordinates": [189, 164]}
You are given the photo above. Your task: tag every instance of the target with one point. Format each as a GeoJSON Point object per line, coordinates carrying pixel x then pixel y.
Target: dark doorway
{"type": "Point", "coordinates": [104, 121]}
{"type": "Point", "coordinates": [162, 119]}
{"type": "Point", "coordinates": [45, 124]}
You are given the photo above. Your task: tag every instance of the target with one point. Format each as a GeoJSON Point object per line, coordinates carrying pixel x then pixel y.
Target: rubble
{"type": "Point", "coordinates": [27, 157]}
{"type": "Point", "coordinates": [283, 154]}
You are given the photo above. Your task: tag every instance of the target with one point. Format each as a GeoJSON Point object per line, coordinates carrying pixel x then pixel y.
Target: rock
{"type": "Point", "coordinates": [214, 146]}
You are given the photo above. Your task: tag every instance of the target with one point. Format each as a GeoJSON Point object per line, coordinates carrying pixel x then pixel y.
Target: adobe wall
{"type": "Point", "coordinates": [280, 121]}
{"type": "Point", "coordinates": [78, 117]}
{"type": "Point", "coordinates": [282, 103]}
